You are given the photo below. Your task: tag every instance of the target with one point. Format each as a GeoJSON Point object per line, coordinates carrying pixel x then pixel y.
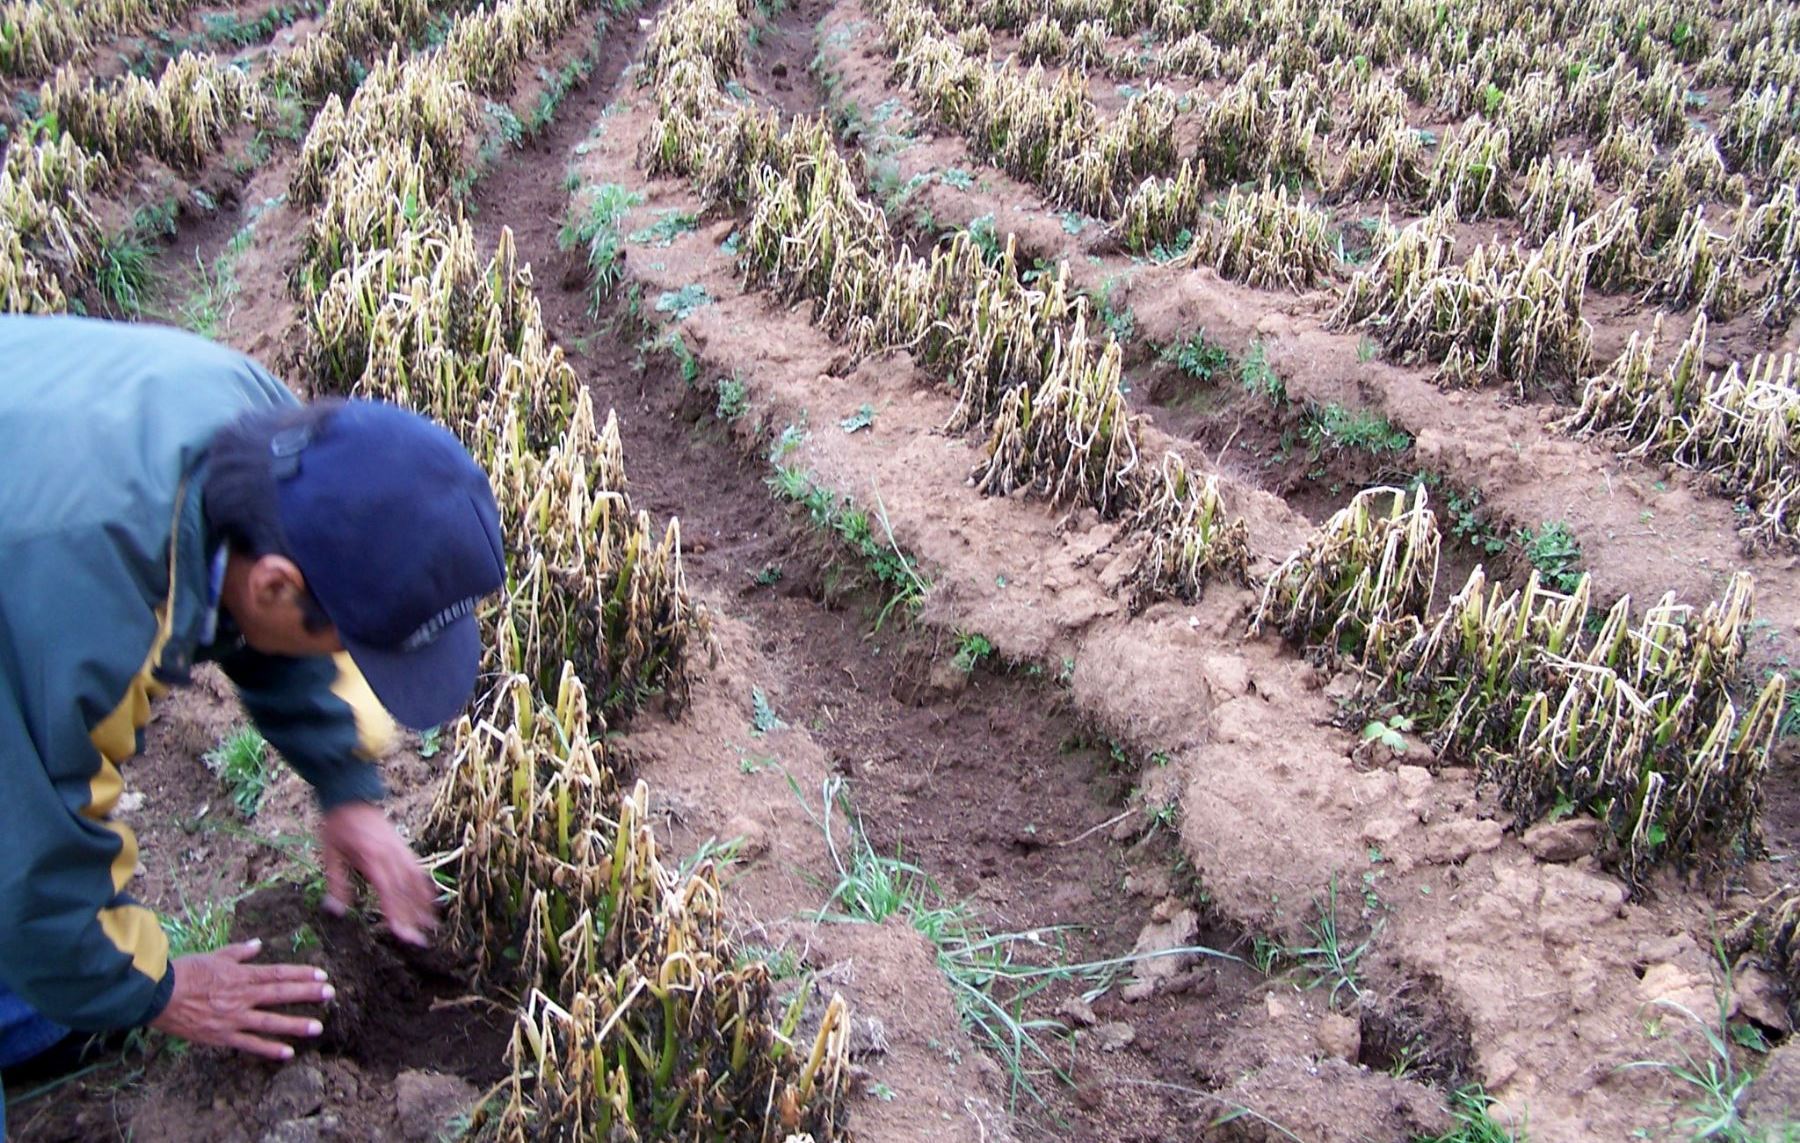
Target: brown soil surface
{"type": "Point", "coordinates": [1102, 783]}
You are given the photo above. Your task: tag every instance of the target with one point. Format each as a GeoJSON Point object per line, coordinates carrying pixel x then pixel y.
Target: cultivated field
{"type": "Point", "coordinates": [1107, 570]}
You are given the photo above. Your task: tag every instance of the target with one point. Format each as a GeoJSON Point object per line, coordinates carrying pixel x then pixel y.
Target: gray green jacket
{"type": "Point", "coordinates": [107, 598]}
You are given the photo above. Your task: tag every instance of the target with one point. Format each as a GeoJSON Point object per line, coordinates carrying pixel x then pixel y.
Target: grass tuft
{"type": "Point", "coordinates": [198, 930]}
{"type": "Point", "coordinates": [594, 226]}
{"type": "Point", "coordinates": [242, 764]}
{"type": "Point", "coordinates": [125, 275]}
{"type": "Point", "coordinates": [1469, 1109]}
{"type": "Point", "coordinates": [1197, 357]}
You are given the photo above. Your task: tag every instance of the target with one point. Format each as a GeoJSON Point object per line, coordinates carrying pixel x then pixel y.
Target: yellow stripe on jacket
{"type": "Point", "coordinates": [132, 928]}
{"type": "Point", "coordinates": [375, 731]}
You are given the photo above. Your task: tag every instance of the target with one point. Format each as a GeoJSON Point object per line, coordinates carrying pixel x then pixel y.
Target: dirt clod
{"type": "Point", "coordinates": [297, 1091]}
{"type": "Point", "coordinates": [309, 1130]}
{"type": "Point", "coordinates": [1563, 841]}
{"type": "Point", "coordinates": [1339, 1036]}
{"type": "Point", "coordinates": [1114, 1035]}
{"type": "Point", "coordinates": [1775, 1095]}
{"type": "Point", "coordinates": [1758, 997]}
{"type": "Point", "coordinates": [427, 1102]}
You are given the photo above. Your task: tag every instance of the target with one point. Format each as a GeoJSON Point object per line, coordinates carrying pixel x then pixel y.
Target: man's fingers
{"type": "Point", "coordinates": [242, 952]}
{"type": "Point", "coordinates": [277, 1024]}
{"type": "Point", "coordinates": [407, 895]}
{"type": "Point", "coordinates": [257, 1046]}
{"type": "Point", "coordinates": [279, 994]}
{"type": "Point", "coordinates": [338, 889]}
{"type": "Point", "coordinates": [279, 973]}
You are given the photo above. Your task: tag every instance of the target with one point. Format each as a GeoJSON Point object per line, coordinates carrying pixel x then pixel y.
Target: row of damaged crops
{"type": "Point", "coordinates": [1652, 235]}
{"type": "Point", "coordinates": [1629, 217]}
{"type": "Point", "coordinates": [37, 35]}
{"type": "Point", "coordinates": [637, 1019]}
{"type": "Point", "coordinates": [1021, 359]}
{"type": "Point", "coordinates": [1641, 721]}
{"type": "Point", "coordinates": [1637, 721]}
{"type": "Point", "coordinates": [88, 131]}
{"type": "Point", "coordinates": [1626, 58]}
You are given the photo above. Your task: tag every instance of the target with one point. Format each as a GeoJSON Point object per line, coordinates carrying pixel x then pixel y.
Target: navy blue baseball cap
{"type": "Point", "coordinates": [395, 528]}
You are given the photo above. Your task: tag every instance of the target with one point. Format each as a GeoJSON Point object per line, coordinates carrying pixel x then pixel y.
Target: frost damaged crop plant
{"type": "Point", "coordinates": [1638, 724]}
{"type": "Point", "coordinates": [1740, 427]}
{"type": "Point", "coordinates": [1363, 581]}
{"type": "Point", "coordinates": [1047, 133]}
{"type": "Point", "coordinates": [1267, 238]}
{"type": "Point", "coordinates": [1018, 354]}
{"type": "Point", "coordinates": [635, 1023]}
{"type": "Point", "coordinates": [50, 237]}
{"type": "Point", "coordinates": [351, 33]}
{"type": "Point", "coordinates": [1192, 538]}
{"type": "Point", "coordinates": [37, 35]}
{"type": "Point", "coordinates": [1069, 439]}
{"type": "Point", "coordinates": [1504, 315]}
{"type": "Point", "coordinates": [401, 306]}
{"type": "Point", "coordinates": [181, 117]}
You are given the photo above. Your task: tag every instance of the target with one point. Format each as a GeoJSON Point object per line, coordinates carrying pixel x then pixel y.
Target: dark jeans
{"type": "Point", "coordinates": [23, 1035]}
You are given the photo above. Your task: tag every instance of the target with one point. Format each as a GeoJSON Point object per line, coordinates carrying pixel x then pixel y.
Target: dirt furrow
{"type": "Point", "coordinates": [1538, 961]}
{"type": "Point", "coordinates": [986, 781]}
{"type": "Point", "coordinates": [1644, 530]}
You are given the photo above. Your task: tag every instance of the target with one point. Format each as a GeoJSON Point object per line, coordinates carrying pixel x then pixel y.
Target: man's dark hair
{"type": "Point", "coordinates": [238, 492]}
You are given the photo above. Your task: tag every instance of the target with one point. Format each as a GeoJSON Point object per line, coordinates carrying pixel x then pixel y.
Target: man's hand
{"type": "Point", "coordinates": [357, 836]}
{"type": "Point", "coordinates": [221, 999]}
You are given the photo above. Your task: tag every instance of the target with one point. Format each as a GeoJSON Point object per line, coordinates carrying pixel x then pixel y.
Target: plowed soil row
{"type": "Point", "coordinates": [1104, 782]}
{"type": "Point", "coordinates": [1521, 958]}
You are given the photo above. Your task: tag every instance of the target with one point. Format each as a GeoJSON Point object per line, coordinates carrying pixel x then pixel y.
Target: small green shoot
{"type": "Point", "coordinates": [1328, 959]}
{"type": "Point", "coordinates": [861, 419]}
{"type": "Point", "coordinates": [734, 398]}
{"type": "Point", "coordinates": [507, 128]}
{"type": "Point", "coordinates": [972, 649]}
{"type": "Point", "coordinates": [1336, 428]}
{"type": "Point", "coordinates": [306, 938]}
{"type": "Point", "coordinates": [125, 275]}
{"type": "Point", "coordinates": [1197, 357]}
{"type": "Point", "coordinates": [594, 226]}
{"type": "Point", "coordinates": [896, 572]}
{"type": "Point", "coordinates": [791, 438]}
{"type": "Point", "coordinates": [1391, 733]}
{"type": "Point", "coordinates": [1469, 1111]}
{"type": "Point", "coordinates": [684, 301]}
{"type": "Point", "coordinates": [763, 719]}
{"type": "Point", "coordinates": [984, 233]}
{"type": "Point", "coordinates": [1164, 253]}
{"type": "Point", "coordinates": [669, 225]}
{"type": "Point", "coordinates": [242, 764]}
{"type": "Point", "coordinates": [1259, 377]}
{"type": "Point", "coordinates": [198, 930]}
{"type": "Point", "coordinates": [1553, 550]}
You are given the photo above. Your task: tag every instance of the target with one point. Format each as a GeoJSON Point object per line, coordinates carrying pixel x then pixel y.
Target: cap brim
{"type": "Point", "coordinates": [426, 687]}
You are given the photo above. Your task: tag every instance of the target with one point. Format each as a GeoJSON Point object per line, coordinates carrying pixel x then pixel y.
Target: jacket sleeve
{"type": "Point", "coordinates": [322, 717]}
{"type": "Point", "coordinates": [73, 944]}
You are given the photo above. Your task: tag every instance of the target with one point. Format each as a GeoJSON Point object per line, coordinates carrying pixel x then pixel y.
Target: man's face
{"type": "Point", "coordinates": [265, 597]}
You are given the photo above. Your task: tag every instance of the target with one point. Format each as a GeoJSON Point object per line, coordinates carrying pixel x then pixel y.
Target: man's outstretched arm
{"type": "Point", "coordinates": [320, 714]}
{"type": "Point", "coordinates": [73, 943]}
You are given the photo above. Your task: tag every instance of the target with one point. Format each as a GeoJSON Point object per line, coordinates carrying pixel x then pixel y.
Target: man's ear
{"type": "Point", "coordinates": [276, 582]}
